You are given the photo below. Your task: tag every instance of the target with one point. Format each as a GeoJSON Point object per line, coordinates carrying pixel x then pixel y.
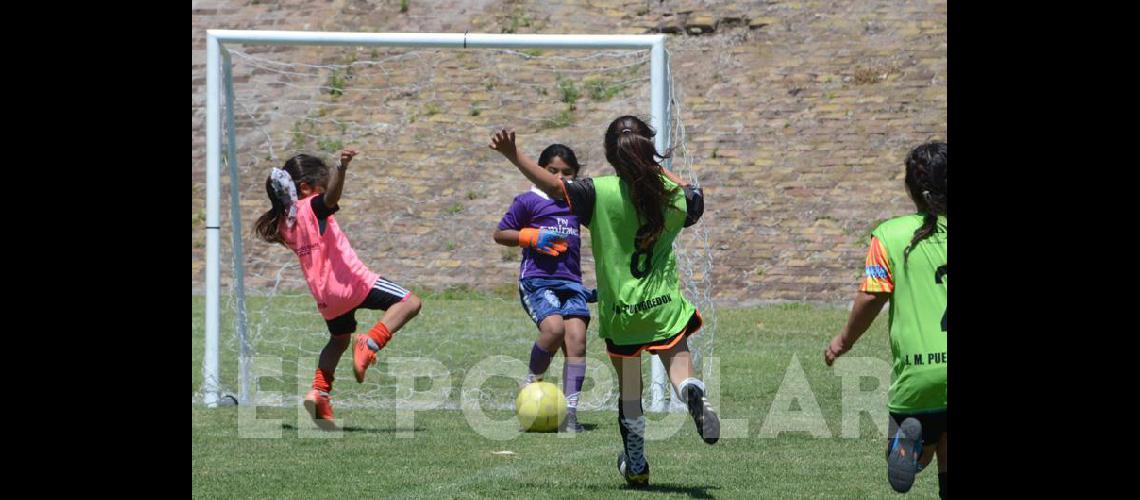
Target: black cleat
{"type": "Point", "coordinates": [708, 424]}
{"type": "Point", "coordinates": [639, 479]}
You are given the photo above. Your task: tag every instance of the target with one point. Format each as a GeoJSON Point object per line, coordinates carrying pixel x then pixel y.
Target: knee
{"type": "Point", "coordinates": [553, 328]}
{"type": "Point", "coordinates": [575, 344]}
{"type": "Point", "coordinates": [414, 304]}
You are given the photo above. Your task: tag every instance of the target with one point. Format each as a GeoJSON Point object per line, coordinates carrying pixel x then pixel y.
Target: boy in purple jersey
{"type": "Point", "coordinates": [550, 278]}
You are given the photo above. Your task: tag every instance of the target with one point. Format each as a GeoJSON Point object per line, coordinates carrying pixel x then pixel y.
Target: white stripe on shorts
{"type": "Point", "coordinates": [526, 302]}
{"type": "Point", "coordinates": [389, 287]}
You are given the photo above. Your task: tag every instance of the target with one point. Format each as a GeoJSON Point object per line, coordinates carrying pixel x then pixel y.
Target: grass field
{"type": "Point", "coordinates": [445, 457]}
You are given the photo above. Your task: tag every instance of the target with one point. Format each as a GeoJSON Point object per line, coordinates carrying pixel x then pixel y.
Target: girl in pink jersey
{"type": "Point", "coordinates": [304, 194]}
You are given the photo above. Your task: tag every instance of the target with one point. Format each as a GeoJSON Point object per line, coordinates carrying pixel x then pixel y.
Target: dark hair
{"type": "Point", "coordinates": [302, 168]}
{"type": "Point", "coordinates": [559, 151]}
{"type": "Point", "coordinates": [630, 149]}
{"type": "Point", "coordinates": [926, 182]}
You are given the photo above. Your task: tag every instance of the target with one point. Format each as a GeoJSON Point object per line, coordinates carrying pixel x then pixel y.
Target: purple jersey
{"type": "Point", "coordinates": [535, 209]}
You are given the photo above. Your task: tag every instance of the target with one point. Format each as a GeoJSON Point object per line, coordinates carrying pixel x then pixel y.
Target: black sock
{"type": "Point", "coordinates": [941, 485]}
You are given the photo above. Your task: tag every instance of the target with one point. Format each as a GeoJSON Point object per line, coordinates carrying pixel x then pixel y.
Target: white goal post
{"type": "Point", "coordinates": [219, 85]}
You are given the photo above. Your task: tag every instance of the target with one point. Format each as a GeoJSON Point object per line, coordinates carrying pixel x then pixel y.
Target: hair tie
{"type": "Point", "coordinates": [286, 193]}
{"type": "Point", "coordinates": [624, 130]}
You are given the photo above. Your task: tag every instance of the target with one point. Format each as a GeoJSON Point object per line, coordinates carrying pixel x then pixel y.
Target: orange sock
{"type": "Point", "coordinates": [379, 334]}
{"type": "Point", "coordinates": [323, 380]}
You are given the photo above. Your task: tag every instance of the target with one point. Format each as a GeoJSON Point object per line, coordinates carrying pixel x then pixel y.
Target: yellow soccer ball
{"type": "Point", "coordinates": [541, 407]}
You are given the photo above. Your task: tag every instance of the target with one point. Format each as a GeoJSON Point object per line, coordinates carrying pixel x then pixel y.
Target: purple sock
{"type": "Point", "coordinates": [539, 360]}
{"type": "Point", "coordinates": [572, 384]}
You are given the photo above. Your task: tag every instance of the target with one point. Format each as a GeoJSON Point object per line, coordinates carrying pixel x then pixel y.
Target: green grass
{"type": "Point", "coordinates": [445, 457]}
{"type": "Point", "coordinates": [330, 145]}
{"type": "Point", "coordinates": [563, 119]}
{"type": "Point", "coordinates": [601, 90]}
{"type": "Point", "coordinates": [568, 91]}
{"type": "Point", "coordinates": [336, 83]}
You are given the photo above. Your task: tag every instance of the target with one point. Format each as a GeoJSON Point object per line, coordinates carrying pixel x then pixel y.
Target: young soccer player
{"type": "Point", "coordinates": [304, 194]}
{"type": "Point", "coordinates": [906, 265]}
{"type": "Point", "coordinates": [550, 278]}
{"type": "Point", "coordinates": [633, 218]}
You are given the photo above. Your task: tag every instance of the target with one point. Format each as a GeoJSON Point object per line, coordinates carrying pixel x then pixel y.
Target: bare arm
{"type": "Point", "coordinates": [504, 142]}
{"type": "Point", "coordinates": [507, 237]}
{"type": "Point", "coordinates": [336, 178]}
{"type": "Point", "coordinates": [867, 306]}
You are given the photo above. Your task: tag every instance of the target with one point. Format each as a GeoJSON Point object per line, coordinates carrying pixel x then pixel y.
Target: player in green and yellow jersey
{"type": "Point", "coordinates": [633, 218]}
{"type": "Point", "coordinates": [906, 265]}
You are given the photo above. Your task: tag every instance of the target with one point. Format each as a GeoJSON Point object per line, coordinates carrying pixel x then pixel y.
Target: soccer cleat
{"type": "Point", "coordinates": [362, 357]}
{"type": "Point", "coordinates": [708, 424]}
{"type": "Point", "coordinates": [320, 409]}
{"type": "Point", "coordinates": [570, 424]}
{"type": "Point", "coordinates": [639, 479]}
{"type": "Point", "coordinates": [902, 459]}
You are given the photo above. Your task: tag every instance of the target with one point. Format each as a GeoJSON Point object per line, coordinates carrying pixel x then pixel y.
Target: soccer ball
{"type": "Point", "coordinates": [541, 407]}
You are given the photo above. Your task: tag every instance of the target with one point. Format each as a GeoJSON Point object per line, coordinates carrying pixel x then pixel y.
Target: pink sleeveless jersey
{"type": "Point", "coordinates": [337, 278]}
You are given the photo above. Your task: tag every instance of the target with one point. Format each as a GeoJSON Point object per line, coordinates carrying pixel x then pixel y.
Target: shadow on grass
{"type": "Point", "coordinates": [691, 491]}
{"type": "Point", "coordinates": [362, 430]}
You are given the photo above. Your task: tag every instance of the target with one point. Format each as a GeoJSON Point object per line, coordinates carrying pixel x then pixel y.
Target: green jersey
{"type": "Point", "coordinates": [639, 296]}
{"type": "Point", "coordinates": [917, 284]}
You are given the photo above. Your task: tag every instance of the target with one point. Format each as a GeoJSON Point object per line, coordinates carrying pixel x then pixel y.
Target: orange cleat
{"type": "Point", "coordinates": [320, 408]}
{"type": "Point", "coordinates": [362, 357]}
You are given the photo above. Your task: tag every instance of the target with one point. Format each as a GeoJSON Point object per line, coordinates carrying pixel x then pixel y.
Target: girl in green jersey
{"type": "Point", "coordinates": [906, 266]}
{"type": "Point", "coordinates": [633, 218]}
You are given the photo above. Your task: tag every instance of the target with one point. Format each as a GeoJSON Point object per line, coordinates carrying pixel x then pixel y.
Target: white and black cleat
{"type": "Point", "coordinates": [636, 479]}
{"type": "Point", "coordinates": [708, 424]}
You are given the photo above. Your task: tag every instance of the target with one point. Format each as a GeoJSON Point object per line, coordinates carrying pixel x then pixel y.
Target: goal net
{"type": "Point", "coordinates": [420, 202]}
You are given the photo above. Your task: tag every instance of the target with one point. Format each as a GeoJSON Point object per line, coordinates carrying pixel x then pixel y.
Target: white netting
{"type": "Point", "coordinates": [421, 200]}
{"type": "Point", "coordinates": [694, 254]}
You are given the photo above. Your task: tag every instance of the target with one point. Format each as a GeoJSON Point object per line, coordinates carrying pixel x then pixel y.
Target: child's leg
{"type": "Point", "coordinates": [329, 357]}
{"type": "Point", "coordinates": [316, 401]}
{"type": "Point", "coordinates": [574, 372]}
{"type": "Point", "coordinates": [543, 306]}
{"type": "Point", "coordinates": [395, 317]}
{"type": "Point", "coordinates": [550, 333]}
{"type": "Point", "coordinates": [631, 419]}
{"type": "Point", "coordinates": [678, 362]}
{"type": "Point", "coordinates": [340, 337]}
{"type": "Point", "coordinates": [399, 306]}
{"type": "Point", "coordinates": [574, 340]}
{"type": "Point", "coordinates": [577, 315]}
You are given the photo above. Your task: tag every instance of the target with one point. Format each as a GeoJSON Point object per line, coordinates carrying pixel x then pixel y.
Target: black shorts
{"type": "Point", "coordinates": [933, 425]}
{"type": "Point", "coordinates": [384, 294]}
{"type": "Point", "coordinates": [634, 350]}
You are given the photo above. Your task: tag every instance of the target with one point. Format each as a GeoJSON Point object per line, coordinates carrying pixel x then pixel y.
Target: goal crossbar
{"type": "Point", "coordinates": [218, 77]}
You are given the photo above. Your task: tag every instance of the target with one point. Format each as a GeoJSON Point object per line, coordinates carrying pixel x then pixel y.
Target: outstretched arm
{"type": "Point", "coordinates": [504, 142]}
{"type": "Point", "coordinates": [867, 307]}
{"type": "Point", "coordinates": [336, 178]}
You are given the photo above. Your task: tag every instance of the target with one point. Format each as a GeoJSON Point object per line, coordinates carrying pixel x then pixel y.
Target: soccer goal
{"type": "Point", "coordinates": [423, 197]}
